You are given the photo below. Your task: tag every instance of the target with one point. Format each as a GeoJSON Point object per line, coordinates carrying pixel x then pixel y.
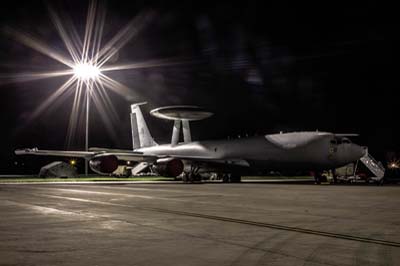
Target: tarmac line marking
{"type": "Point", "coordinates": [80, 191]}
{"type": "Point", "coordinates": [188, 192]}
{"type": "Point", "coordinates": [245, 222]}
{"type": "Point", "coordinates": [42, 209]}
{"type": "Point", "coordinates": [102, 193]}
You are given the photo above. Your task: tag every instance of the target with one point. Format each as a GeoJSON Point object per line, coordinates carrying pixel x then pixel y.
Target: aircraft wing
{"type": "Point", "coordinates": [347, 135]}
{"type": "Point", "coordinates": [126, 155]}
{"type": "Point", "coordinates": [211, 160]}
{"type": "Point", "coordinates": [132, 156]}
{"type": "Point", "coordinates": [108, 150]}
{"type": "Point", "coordinates": [36, 151]}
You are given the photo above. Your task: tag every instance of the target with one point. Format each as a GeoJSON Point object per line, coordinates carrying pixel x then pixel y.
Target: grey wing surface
{"type": "Point", "coordinates": [121, 155]}
{"type": "Point", "coordinates": [36, 151]}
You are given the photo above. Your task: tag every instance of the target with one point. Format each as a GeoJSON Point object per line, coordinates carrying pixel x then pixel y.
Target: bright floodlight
{"type": "Point", "coordinates": [86, 71]}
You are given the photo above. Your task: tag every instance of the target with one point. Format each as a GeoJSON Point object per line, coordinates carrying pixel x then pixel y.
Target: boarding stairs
{"type": "Point", "coordinates": [374, 166]}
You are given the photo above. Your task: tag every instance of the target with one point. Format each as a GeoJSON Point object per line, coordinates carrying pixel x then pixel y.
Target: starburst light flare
{"type": "Point", "coordinates": [86, 71]}
{"type": "Point", "coordinates": [85, 63]}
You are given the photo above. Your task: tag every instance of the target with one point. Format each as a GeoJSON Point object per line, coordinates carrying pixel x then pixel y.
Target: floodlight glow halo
{"type": "Point", "coordinates": [86, 71]}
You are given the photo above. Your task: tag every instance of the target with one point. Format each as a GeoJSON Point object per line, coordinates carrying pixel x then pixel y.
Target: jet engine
{"type": "Point", "coordinates": [169, 167]}
{"type": "Point", "coordinates": [104, 164]}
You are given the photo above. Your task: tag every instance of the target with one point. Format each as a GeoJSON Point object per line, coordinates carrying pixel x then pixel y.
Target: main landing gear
{"type": "Point", "coordinates": [192, 176]}
{"type": "Point", "coordinates": [231, 178]}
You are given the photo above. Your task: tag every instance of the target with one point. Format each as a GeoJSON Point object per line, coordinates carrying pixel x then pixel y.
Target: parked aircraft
{"type": "Point", "coordinates": [230, 158]}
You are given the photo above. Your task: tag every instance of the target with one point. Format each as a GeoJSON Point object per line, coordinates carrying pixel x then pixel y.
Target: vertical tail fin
{"type": "Point", "coordinates": [141, 136]}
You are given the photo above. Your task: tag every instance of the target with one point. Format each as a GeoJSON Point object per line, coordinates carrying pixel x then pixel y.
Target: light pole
{"type": "Point", "coordinates": [87, 73]}
{"type": "Point", "coordinates": [87, 126]}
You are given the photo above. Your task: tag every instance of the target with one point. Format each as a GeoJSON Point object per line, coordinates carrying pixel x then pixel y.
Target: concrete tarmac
{"type": "Point", "coordinates": [199, 224]}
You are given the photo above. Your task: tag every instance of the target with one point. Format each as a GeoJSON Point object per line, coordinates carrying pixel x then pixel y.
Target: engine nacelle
{"type": "Point", "coordinates": [169, 167]}
{"type": "Point", "coordinates": [104, 164]}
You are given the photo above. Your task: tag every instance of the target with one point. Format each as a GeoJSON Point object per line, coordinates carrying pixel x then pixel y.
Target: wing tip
{"type": "Point", "coordinates": [25, 151]}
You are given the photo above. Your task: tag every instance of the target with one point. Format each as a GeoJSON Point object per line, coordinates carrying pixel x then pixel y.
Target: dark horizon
{"type": "Point", "coordinates": [260, 69]}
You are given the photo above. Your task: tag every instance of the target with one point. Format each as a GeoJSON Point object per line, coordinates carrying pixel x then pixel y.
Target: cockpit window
{"type": "Point", "coordinates": [345, 140]}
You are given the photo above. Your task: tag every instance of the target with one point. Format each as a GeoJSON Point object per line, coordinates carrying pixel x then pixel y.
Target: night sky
{"type": "Point", "coordinates": [261, 68]}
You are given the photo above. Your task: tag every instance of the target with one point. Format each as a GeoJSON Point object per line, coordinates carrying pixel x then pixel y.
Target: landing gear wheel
{"type": "Point", "coordinates": [231, 178]}
{"type": "Point", "coordinates": [196, 178]}
{"type": "Point", "coordinates": [225, 178]}
{"type": "Point", "coordinates": [235, 178]}
{"type": "Point", "coordinates": [334, 176]}
{"type": "Point", "coordinates": [317, 178]}
{"type": "Point", "coordinates": [191, 178]}
{"type": "Point", "coordinates": [185, 177]}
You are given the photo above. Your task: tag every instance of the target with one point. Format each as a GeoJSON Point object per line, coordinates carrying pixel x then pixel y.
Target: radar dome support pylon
{"type": "Point", "coordinates": [181, 115]}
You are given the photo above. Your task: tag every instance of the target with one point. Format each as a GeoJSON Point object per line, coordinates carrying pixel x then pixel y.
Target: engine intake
{"type": "Point", "coordinates": [104, 164]}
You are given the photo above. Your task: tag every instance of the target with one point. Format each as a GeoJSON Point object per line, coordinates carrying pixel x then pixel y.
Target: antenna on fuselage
{"type": "Point", "coordinates": [181, 115]}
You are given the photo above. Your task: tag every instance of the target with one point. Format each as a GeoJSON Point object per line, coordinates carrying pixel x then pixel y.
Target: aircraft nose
{"type": "Point", "coordinates": [358, 151]}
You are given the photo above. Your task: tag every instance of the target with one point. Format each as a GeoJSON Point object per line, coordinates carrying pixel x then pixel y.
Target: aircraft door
{"type": "Point", "coordinates": [333, 150]}
{"type": "Point", "coordinates": [333, 147]}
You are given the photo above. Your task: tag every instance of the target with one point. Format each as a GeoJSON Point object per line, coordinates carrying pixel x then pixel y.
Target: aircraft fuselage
{"type": "Point", "coordinates": [297, 150]}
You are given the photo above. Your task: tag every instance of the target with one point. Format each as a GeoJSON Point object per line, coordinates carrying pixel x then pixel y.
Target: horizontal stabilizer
{"type": "Point", "coordinates": [134, 105]}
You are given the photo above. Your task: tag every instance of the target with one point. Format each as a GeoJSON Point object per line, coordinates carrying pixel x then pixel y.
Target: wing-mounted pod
{"type": "Point", "coordinates": [181, 115]}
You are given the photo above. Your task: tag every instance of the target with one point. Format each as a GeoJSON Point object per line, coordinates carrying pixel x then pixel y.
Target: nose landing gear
{"type": "Point", "coordinates": [318, 177]}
